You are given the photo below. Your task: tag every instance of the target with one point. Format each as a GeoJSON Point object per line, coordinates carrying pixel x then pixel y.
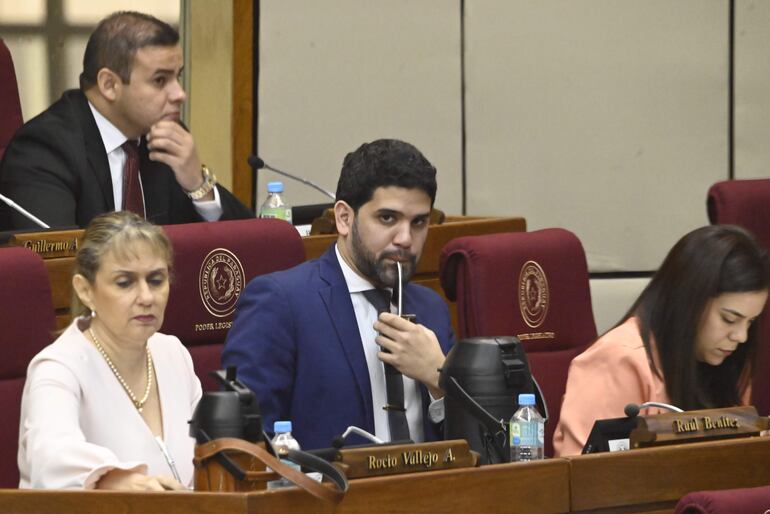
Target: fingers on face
{"type": "Point", "coordinates": [168, 130]}
{"type": "Point", "coordinates": [170, 144]}
{"type": "Point", "coordinates": [167, 127]}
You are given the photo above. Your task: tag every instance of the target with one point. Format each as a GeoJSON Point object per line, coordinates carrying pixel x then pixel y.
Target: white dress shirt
{"type": "Point", "coordinates": [366, 316]}
{"type": "Point", "coordinates": [113, 140]}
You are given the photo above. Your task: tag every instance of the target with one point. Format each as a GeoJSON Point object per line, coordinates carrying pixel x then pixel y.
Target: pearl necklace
{"type": "Point", "coordinates": [139, 404]}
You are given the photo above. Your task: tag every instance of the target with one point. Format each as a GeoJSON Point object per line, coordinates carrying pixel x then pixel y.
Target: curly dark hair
{"type": "Point", "coordinates": [383, 163]}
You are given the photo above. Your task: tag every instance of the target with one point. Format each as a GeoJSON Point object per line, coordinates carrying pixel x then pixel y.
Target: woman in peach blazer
{"type": "Point", "coordinates": [688, 340]}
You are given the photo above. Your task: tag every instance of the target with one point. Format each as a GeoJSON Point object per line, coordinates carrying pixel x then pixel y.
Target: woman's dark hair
{"type": "Point", "coordinates": [383, 163]}
{"type": "Point", "coordinates": [705, 263]}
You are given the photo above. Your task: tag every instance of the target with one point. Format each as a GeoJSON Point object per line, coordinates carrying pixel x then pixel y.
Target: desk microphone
{"type": "Point", "coordinates": [21, 210]}
{"type": "Point", "coordinates": [256, 164]}
{"type": "Point", "coordinates": [339, 441]}
{"type": "Point", "coordinates": [632, 409]}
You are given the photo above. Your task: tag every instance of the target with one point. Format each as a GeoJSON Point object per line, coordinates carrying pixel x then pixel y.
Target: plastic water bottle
{"type": "Point", "coordinates": [527, 431]}
{"type": "Point", "coordinates": [283, 441]}
{"type": "Point", "coordinates": [275, 206]}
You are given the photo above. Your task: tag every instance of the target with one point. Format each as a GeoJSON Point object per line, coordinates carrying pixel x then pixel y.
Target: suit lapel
{"type": "Point", "coordinates": [95, 151]}
{"type": "Point", "coordinates": [336, 297]}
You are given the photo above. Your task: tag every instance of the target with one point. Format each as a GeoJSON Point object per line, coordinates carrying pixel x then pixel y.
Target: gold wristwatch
{"type": "Point", "coordinates": [209, 181]}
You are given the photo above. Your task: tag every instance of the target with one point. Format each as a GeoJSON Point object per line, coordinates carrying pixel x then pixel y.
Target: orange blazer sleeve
{"type": "Point", "coordinates": [610, 374]}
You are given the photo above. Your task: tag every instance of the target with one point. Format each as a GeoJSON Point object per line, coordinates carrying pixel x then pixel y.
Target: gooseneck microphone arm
{"type": "Point", "coordinates": [256, 163]}
{"type": "Point", "coordinates": [632, 410]}
{"type": "Point", "coordinates": [660, 405]}
{"type": "Point", "coordinates": [24, 212]}
{"type": "Point", "coordinates": [339, 441]}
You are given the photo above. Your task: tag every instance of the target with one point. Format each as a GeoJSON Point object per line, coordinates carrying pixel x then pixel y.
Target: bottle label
{"type": "Point", "coordinates": [515, 432]}
{"type": "Point", "coordinates": [281, 213]}
{"type": "Point", "coordinates": [530, 433]}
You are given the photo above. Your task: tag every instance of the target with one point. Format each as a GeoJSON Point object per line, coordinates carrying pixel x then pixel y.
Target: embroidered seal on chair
{"type": "Point", "coordinates": [220, 282]}
{"type": "Point", "coordinates": [534, 295]}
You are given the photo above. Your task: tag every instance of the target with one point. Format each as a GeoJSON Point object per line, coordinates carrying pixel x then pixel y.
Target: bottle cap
{"type": "Point", "coordinates": [275, 187]}
{"type": "Point", "coordinates": [282, 426]}
{"type": "Point", "coordinates": [526, 399]}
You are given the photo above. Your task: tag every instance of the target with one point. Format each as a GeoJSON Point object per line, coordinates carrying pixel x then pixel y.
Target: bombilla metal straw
{"type": "Point", "coordinates": [400, 289]}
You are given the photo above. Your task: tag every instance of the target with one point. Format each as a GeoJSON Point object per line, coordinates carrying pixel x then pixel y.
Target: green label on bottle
{"type": "Point", "coordinates": [529, 433]}
{"type": "Point", "coordinates": [281, 213]}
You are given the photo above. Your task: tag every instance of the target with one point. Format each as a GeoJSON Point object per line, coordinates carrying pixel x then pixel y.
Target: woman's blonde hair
{"type": "Point", "coordinates": [115, 232]}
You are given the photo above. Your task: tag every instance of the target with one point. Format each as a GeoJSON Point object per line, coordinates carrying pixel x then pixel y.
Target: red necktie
{"type": "Point", "coordinates": [132, 190]}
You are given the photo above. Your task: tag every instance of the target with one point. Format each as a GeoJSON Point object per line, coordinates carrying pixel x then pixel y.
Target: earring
{"type": "Point", "coordinates": [93, 314]}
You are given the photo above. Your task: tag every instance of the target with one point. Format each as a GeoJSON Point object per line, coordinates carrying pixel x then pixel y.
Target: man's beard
{"type": "Point", "coordinates": [381, 272]}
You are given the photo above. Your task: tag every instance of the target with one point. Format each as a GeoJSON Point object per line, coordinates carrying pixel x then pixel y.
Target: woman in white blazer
{"type": "Point", "coordinates": [106, 405]}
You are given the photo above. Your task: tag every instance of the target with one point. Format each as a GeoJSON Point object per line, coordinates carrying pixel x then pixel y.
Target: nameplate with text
{"type": "Point", "coordinates": [698, 425]}
{"type": "Point", "coordinates": [49, 244]}
{"type": "Point", "coordinates": [372, 461]}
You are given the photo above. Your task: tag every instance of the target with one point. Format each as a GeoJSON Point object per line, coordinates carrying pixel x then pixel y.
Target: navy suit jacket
{"type": "Point", "coordinates": [296, 344]}
{"type": "Point", "coordinates": [56, 167]}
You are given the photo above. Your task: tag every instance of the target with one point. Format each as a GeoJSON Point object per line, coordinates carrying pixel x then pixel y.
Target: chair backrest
{"type": "Point", "coordinates": [533, 285]}
{"type": "Point", "coordinates": [213, 262]}
{"type": "Point", "coordinates": [10, 105]}
{"type": "Point", "coordinates": [28, 320]}
{"type": "Point", "coordinates": [730, 501]}
{"type": "Point", "coordinates": [747, 203]}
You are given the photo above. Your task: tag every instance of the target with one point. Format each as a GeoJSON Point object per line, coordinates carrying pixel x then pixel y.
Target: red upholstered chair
{"type": "Point", "coordinates": [10, 106]}
{"type": "Point", "coordinates": [28, 322]}
{"type": "Point", "coordinates": [747, 203]}
{"type": "Point", "coordinates": [533, 285]}
{"type": "Point", "coordinates": [213, 262]}
{"type": "Point", "coordinates": [732, 501]}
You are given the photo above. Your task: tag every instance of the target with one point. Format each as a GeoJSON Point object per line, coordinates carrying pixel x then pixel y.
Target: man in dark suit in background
{"type": "Point", "coordinates": [307, 340]}
{"type": "Point", "coordinates": [116, 143]}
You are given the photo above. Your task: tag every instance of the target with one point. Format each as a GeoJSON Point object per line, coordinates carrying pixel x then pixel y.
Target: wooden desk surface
{"type": "Point", "coordinates": [484, 490]}
{"type": "Point", "coordinates": [653, 480]}
{"type": "Point", "coordinates": [639, 481]}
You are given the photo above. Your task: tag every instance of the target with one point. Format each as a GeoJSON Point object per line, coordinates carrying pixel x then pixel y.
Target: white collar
{"type": "Point", "coordinates": [112, 137]}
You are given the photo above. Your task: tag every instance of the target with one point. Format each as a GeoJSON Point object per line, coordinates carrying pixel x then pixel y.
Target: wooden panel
{"type": "Point", "coordinates": [209, 78]}
{"type": "Point", "coordinates": [60, 273]}
{"type": "Point", "coordinates": [655, 479]}
{"type": "Point", "coordinates": [243, 99]}
{"type": "Point", "coordinates": [499, 488]}
{"type": "Point", "coordinates": [647, 481]}
{"type": "Point", "coordinates": [100, 502]}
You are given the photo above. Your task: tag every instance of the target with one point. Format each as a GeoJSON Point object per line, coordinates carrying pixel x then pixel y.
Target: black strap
{"type": "Point", "coordinates": [394, 380]}
{"type": "Point", "coordinates": [217, 447]}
